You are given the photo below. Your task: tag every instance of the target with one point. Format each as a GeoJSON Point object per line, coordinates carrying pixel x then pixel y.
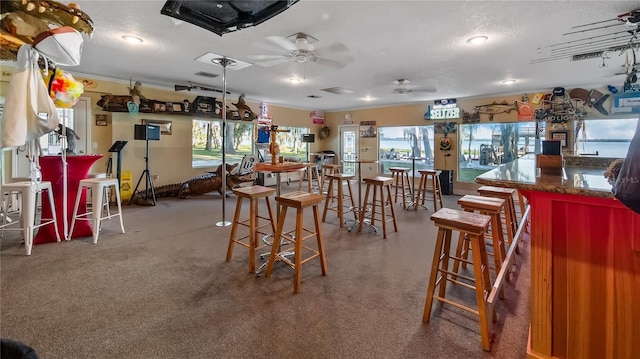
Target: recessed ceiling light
{"type": "Point", "coordinates": [295, 80]}
{"type": "Point", "coordinates": [477, 40]}
{"type": "Point", "coordinates": [368, 98]}
{"type": "Point", "coordinates": [509, 82]}
{"type": "Point", "coordinates": [132, 39]}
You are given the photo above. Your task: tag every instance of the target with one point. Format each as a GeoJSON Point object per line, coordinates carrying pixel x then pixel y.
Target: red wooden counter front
{"type": "Point", "coordinates": [585, 277]}
{"type": "Point", "coordinates": [77, 169]}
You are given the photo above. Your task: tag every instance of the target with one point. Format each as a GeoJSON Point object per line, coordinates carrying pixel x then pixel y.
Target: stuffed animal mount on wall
{"type": "Point", "coordinates": [24, 20]}
{"type": "Point", "coordinates": [243, 111]}
{"type": "Point", "coordinates": [199, 185]}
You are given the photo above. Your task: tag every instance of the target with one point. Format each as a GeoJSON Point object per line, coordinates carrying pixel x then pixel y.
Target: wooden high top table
{"type": "Point", "coordinates": [585, 262]}
{"type": "Point", "coordinates": [279, 168]}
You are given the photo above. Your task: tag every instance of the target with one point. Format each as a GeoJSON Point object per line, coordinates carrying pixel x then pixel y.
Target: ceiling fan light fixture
{"type": "Point", "coordinates": [132, 39]}
{"type": "Point", "coordinates": [477, 40]}
{"type": "Point", "coordinates": [509, 82]}
{"type": "Point", "coordinates": [368, 98]}
{"type": "Point", "coordinates": [295, 80]}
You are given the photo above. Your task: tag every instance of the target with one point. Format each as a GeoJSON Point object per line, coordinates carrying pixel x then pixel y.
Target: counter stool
{"type": "Point", "coordinates": [253, 193]}
{"type": "Point", "coordinates": [337, 180]}
{"type": "Point", "coordinates": [97, 187]}
{"type": "Point", "coordinates": [380, 184]}
{"type": "Point", "coordinates": [510, 219]}
{"type": "Point", "coordinates": [299, 201]}
{"type": "Point", "coordinates": [473, 225]}
{"type": "Point", "coordinates": [491, 207]}
{"type": "Point", "coordinates": [329, 169]}
{"type": "Point", "coordinates": [402, 182]}
{"type": "Point", "coordinates": [27, 192]}
{"type": "Point", "coordinates": [310, 170]}
{"type": "Point", "coordinates": [429, 182]}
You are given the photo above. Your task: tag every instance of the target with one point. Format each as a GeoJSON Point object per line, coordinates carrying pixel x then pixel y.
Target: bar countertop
{"type": "Point", "coordinates": [523, 174]}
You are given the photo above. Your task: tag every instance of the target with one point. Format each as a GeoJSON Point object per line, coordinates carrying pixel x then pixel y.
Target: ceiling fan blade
{"type": "Point", "coordinates": [329, 62]}
{"type": "Point", "coordinates": [282, 42]}
{"type": "Point", "coordinates": [266, 57]}
{"type": "Point", "coordinates": [273, 62]}
{"type": "Point", "coordinates": [336, 48]}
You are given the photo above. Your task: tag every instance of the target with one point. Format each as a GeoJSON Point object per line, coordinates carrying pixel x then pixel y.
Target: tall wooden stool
{"type": "Point", "coordinates": [380, 185]}
{"type": "Point", "coordinates": [491, 207]}
{"type": "Point", "coordinates": [310, 170]}
{"type": "Point", "coordinates": [299, 201]}
{"type": "Point", "coordinates": [510, 219]}
{"type": "Point", "coordinates": [338, 180]}
{"type": "Point", "coordinates": [474, 225]}
{"type": "Point", "coordinates": [523, 204]}
{"type": "Point", "coordinates": [329, 169]}
{"type": "Point", "coordinates": [253, 194]}
{"type": "Point", "coordinates": [27, 192]}
{"type": "Point", "coordinates": [429, 182]}
{"type": "Point", "coordinates": [98, 196]}
{"type": "Point", "coordinates": [402, 182]}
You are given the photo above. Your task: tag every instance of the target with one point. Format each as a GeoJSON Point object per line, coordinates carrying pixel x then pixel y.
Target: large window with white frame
{"type": "Point", "coordinates": [399, 145]}
{"type": "Point", "coordinates": [604, 137]}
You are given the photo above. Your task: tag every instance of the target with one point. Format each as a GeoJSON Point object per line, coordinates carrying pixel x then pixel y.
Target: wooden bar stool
{"type": "Point", "coordinates": [510, 219]}
{"type": "Point", "coordinates": [429, 182]}
{"type": "Point", "coordinates": [310, 170]}
{"type": "Point", "coordinates": [329, 169]}
{"type": "Point", "coordinates": [402, 182]}
{"type": "Point", "coordinates": [380, 185]}
{"type": "Point", "coordinates": [98, 196]}
{"type": "Point", "coordinates": [253, 194]}
{"type": "Point", "coordinates": [299, 201]}
{"type": "Point", "coordinates": [491, 207]}
{"type": "Point", "coordinates": [473, 225]}
{"type": "Point", "coordinates": [523, 204]}
{"type": "Point", "coordinates": [27, 193]}
{"type": "Point", "coordinates": [338, 180]}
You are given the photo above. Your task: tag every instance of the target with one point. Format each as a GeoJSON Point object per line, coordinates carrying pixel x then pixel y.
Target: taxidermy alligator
{"type": "Point", "coordinates": [202, 184]}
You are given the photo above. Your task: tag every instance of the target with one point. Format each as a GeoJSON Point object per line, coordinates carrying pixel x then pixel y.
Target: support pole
{"type": "Point", "coordinates": [224, 62]}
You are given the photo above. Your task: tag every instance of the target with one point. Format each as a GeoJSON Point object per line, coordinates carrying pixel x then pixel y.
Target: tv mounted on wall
{"type": "Point", "coordinates": [221, 17]}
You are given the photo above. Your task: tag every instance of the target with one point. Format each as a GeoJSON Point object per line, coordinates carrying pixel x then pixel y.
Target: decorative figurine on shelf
{"type": "Point", "coordinates": [274, 148]}
{"type": "Point", "coordinates": [244, 111]}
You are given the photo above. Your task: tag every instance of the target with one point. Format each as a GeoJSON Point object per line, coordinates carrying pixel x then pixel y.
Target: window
{"type": "Point", "coordinates": [290, 141]}
{"type": "Point", "coordinates": [605, 138]}
{"type": "Point", "coordinates": [207, 142]}
{"type": "Point", "coordinates": [484, 146]}
{"type": "Point", "coordinates": [399, 144]}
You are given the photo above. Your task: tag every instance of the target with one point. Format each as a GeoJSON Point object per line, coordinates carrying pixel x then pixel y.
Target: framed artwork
{"type": "Point", "coordinates": [562, 136]}
{"type": "Point", "coordinates": [102, 120]}
{"type": "Point", "coordinates": [159, 107]}
{"type": "Point", "coordinates": [165, 126]}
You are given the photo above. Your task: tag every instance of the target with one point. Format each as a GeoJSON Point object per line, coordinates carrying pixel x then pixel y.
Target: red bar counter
{"type": "Point", "coordinates": [77, 169]}
{"type": "Point", "coordinates": [585, 262]}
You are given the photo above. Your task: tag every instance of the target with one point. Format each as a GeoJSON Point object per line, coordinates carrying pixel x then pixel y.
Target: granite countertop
{"type": "Point", "coordinates": [583, 180]}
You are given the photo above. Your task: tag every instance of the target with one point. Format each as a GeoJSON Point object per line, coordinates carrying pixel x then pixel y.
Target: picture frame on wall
{"type": "Point", "coordinates": [102, 120]}
{"type": "Point", "coordinates": [562, 136]}
{"type": "Point", "coordinates": [165, 126]}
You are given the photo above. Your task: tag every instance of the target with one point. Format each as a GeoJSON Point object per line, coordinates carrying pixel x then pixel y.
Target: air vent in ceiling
{"type": "Point", "coordinates": [314, 96]}
{"type": "Point", "coordinates": [337, 90]}
{"type": "Point", "coordinates": [206, 74]}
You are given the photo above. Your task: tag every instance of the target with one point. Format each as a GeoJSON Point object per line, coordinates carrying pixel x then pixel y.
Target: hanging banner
{"type": "Point", "coordinates": [264, 118]}
{"type": "Point", "coordinates": [317, 117]}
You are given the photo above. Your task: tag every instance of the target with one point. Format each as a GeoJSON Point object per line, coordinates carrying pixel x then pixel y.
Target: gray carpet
{"type": "Point", "coordinates": [164, 290]}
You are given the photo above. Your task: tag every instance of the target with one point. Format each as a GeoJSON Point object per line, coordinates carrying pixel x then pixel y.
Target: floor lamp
{"type": "Point", "coordinates": [224, 62]}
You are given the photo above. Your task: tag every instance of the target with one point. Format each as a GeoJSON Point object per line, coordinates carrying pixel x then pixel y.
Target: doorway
{"type": "Point", "coordinates": [349, 148]}
{"type": "Point", "coordinates": [76, 118]}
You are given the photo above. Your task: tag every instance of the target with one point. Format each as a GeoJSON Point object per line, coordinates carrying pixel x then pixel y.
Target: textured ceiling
{"type": "Point", "coordinates": [422, 41]}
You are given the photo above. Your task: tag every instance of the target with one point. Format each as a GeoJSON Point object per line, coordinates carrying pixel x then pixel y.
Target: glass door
{"type": "Point", "coordinates": [349, 148]}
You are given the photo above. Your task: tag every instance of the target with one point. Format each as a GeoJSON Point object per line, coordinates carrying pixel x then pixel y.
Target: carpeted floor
{"type": "Point", "coordinates": [164, 290]}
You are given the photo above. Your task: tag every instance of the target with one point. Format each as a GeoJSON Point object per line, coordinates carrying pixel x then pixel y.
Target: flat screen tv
{"type": "Point", "coordinates": [221, 17]}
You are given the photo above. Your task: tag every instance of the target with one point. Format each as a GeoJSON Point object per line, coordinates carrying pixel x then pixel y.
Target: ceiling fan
{"type": "Point", "coordinates": [401, 87]}
{"type": "Point", "coordinates": [300, 49]}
